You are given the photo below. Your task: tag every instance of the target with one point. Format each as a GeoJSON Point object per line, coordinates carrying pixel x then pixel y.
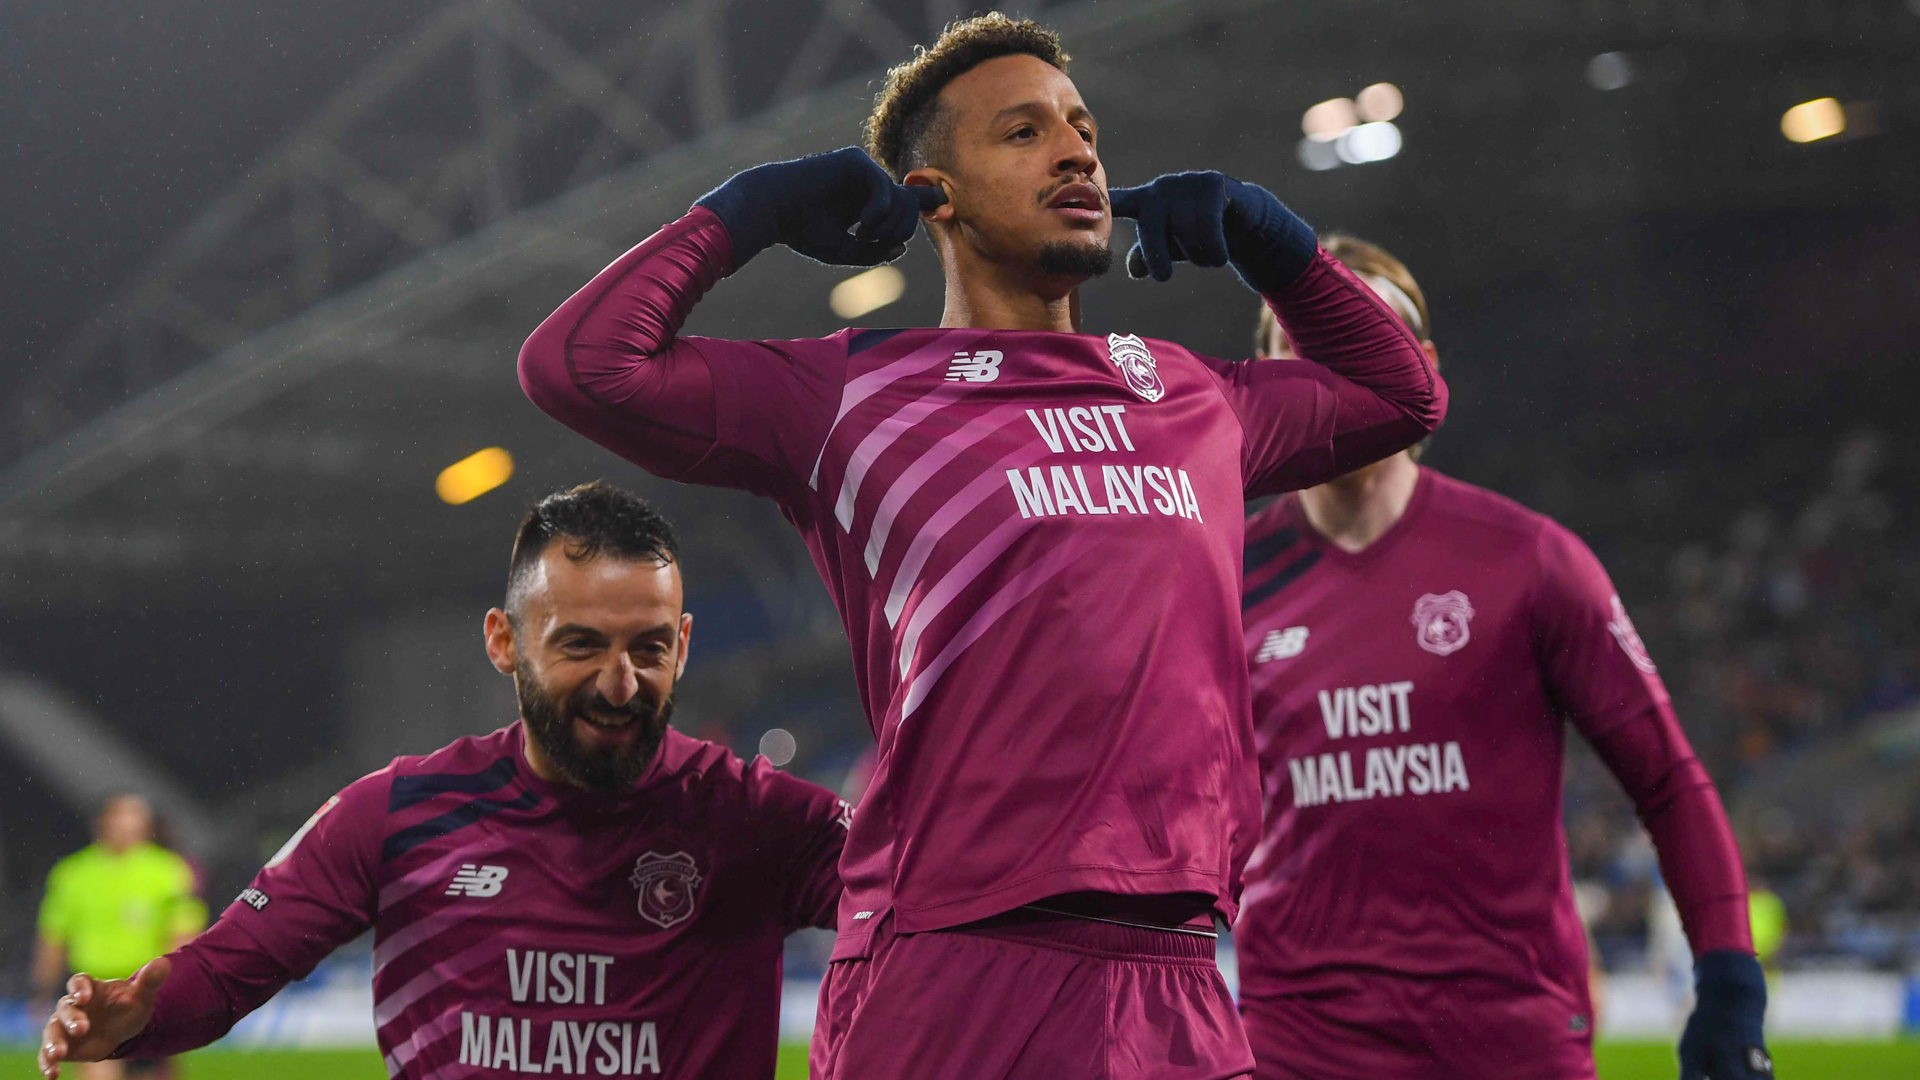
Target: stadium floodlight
{"type": "Point", "coordinates": [869, 290]}
{"type": "Point", "coordinates": [474, 475]}
{"type": "Point", "coordinates": [778, 746]}
{"type": "Point", "coordinates": [1610, 71]}
{"type": "Point", "coordinates": [1316, 155]}
{"type": "Point", "coordinates": [1381, 101]}
{"type": "Point", "coordinates": [1810, 121]}
{"type": "Point", "coordinates": [1330, 119]}
{"type": "Point", "coordinates": [1377, 141]}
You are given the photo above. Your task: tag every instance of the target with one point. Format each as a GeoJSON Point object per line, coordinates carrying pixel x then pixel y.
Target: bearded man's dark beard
{"type": "Point", "coordinates": [1065, 258]}
{"type": "Point", "coordinates": [550, 723]}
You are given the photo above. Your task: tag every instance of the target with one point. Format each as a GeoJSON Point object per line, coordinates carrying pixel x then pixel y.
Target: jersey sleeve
{"type": "Point", "coordinates": [1364, 388]}
{"type": "Point", "coordinates": [610, 364]}
{"type": "Point", "coordinates": [1603, 680]}
{"type": "Point", "coordinates": [800, 828]}
{"type": "Point", "coordinates": [318, 892]}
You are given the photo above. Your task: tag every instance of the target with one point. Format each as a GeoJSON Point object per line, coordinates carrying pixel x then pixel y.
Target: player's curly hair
{"type": "Point", "coordinates": [907, 122]}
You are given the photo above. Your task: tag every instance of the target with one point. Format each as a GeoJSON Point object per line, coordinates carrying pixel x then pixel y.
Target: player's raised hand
{"type": "Point", "coordinates": [1211, 219]}
{"type": "Point", "coordinates": [97, 1015]}
{"type": "Point", "coordinates": [1723, 1039]}
{"type": "Point", "coordinates": [839, 208]}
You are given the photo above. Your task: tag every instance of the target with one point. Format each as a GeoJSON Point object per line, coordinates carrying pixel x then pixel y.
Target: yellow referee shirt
{"type": "Point", "coordinates": [113, 913]}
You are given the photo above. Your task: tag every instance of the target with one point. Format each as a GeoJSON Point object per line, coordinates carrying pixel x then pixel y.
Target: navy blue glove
{"type": "Point", "coordinates": [1211, 219]}
{"type": "Point", "coordinates": [811, 203]}
{"type": "Point", "coordinates": [1723, 1040]}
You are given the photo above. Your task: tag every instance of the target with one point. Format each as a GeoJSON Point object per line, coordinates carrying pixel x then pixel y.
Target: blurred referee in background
{"type": "Point", "coordinates": [111, 907]}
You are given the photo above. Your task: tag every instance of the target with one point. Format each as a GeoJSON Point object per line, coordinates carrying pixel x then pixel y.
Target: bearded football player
{"type": "Point", "coordinates": [1418, 647]}
{"type": "Point", "coordinates": [1033, 536]}
{"type": "Point", "coordinates": [584, 892]}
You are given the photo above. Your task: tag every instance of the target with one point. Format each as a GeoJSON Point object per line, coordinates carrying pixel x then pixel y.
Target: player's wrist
{"type": "Point", "coordinates": [750, 217]}
{"type": "Point", "coordinates": [1270, 245]}
{"type": "Point", "coordinates": [1729, 975]}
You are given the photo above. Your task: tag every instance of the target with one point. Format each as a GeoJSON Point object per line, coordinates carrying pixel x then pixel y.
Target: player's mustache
{"type": "Point", "coordinates": [1046, 196]}
{"type": "Point", "coordinates": [639, 707]}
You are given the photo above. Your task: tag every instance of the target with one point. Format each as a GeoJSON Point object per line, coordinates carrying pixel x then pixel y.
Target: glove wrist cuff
{"type": "Point", "coordinates": [1270, 245]}
{"type": "Point", "coordinates": [749, 231]}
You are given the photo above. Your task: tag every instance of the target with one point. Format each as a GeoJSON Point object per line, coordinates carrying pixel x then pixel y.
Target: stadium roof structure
{"type": "Point", "coordinates": [263, 410]}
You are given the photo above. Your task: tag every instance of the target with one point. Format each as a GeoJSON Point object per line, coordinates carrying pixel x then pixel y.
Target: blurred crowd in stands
{"type": "Point", "coordinates": [1791, 645]}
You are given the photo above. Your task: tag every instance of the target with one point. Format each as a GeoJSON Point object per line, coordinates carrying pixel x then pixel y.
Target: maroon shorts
{"type": "Point", "coordinates": [1027, 996]}
{"type": "Point", "coordinates": [1359, 1028]}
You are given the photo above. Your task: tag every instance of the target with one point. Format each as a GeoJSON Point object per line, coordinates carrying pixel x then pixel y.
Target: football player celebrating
{"type": "Point", "coordinates": [1416, 646]}
{"type": "Point", "coordinates": [1033, 536]}
{"type": "Point", "coordinates": [584, 892]}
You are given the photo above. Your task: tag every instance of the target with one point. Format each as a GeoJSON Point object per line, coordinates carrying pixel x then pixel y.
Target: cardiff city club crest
{"type": "Point", "coordinates": [1440, 622]}
{"type": "Point", "coordinates": [668, 884]}
{"type": "Point", "coordinates": [1130, 355]}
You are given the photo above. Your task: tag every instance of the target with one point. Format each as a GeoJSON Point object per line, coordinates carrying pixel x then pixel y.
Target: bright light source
{"type": "Point", "coordinates": [1317, 156]}
{"type": "Point", "coordinates": [1381, 101]}
{"type": "Point", "coordinates": [474, 475]}
{"type": "Point", "coordinates": [867, 291]}
{"type": "Point", "coordinates": [1330, 119]}
{"type": "Point", "coordinates": [1610, 71]}
{"type": "Point", "coordinates": [1813, 120]}
{"type": "Point", "coordinates": [1368, 142]}
{"type": "Point", "coordinates": [778, 746]}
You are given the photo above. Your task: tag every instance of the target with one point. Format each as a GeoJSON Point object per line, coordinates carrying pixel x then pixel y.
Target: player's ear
{"type": "Point", "coordinates": [500, 650]}
{"type": "Point", "coordinates": [937, 178]}
{"type": "Point", "coordinates": [686, 640]}
{"type": "Point", "coordinates": [1433, 354]}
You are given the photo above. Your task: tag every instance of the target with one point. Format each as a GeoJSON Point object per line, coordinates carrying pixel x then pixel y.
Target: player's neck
{"type": "Point", "coordinates": [1357, 509]}
{"type": "Point", "coordinates": [986, 296]}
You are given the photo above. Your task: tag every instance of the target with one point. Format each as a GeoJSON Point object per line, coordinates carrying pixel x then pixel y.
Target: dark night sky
{"type": "Point", "coordinates": [122, 118]}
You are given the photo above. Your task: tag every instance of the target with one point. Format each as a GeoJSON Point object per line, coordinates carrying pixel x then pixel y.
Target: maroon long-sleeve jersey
{"type": "Point", "coordinates": [1409, 910]}
{"type": "Point", "coordinates": [526, 926]}
{"type": "Point", "coordinates": [1034, 542]}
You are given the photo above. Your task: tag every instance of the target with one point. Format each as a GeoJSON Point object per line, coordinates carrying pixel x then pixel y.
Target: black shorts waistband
{"type": "Point", "coordinates": [1101, 937]}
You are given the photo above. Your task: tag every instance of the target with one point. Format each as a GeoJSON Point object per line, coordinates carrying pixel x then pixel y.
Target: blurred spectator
{"type": "Point", "coordinates": [111, 907]}
{"type": "Point", "coordinates": [1787, 638]}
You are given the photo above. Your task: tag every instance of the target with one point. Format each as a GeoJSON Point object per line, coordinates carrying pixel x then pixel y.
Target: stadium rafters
{"type": "Point", "coordinates": [391, 167]}
{"type": "Point", "coordinates": [395, 166]}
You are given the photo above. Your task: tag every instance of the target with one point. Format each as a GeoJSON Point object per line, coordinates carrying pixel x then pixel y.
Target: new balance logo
{"type": "Point", "coordinates": [471, 880]}
{"type": "Point", "coordinates": [982, 366]}
{"type": "Point", "coordinates": [1282, 644]}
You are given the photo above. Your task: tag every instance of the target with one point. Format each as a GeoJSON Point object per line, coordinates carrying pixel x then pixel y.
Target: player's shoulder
{"type": "Point", "coordinates": [719, 777]}
{"type": "Point", "coordinates": [1555, 551]}
{"type": "Point", "coordinates": [1279, 513]}
{"type": "Point", "coordinates": [76, 863]}
{"type": "Point", "coordinates": [495, 750]}
{"type": "Point", "coordinates": [1471, 506]}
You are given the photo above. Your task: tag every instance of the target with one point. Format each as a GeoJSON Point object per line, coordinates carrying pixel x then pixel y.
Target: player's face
{"type": "Point", "coordinates": [1023, 175]}
{"type": "Point", "coordinates": [597, 650]}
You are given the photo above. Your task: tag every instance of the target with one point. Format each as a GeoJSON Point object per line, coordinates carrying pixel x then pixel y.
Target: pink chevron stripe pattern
{"type": "Point", "coordinates": [437, 872]}
{"type": "Point", "coordinates": [860, 389]}
{"type": "Point", "coordinates": [910, 480]}
{"type": "Point", "coordinates": [962, 574]}
{"type": "Point", "coordinates": [1018, 588]}
{"type": "Point", "coordinates": [388, 1008]}
{"type": "Point", "coordinates": [971, 496]}
{"type": "Point", "coordinates": [885, 434]}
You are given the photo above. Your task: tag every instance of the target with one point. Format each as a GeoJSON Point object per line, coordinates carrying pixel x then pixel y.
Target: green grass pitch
{"type": "Point", "coordinates": [1796, 1060]}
